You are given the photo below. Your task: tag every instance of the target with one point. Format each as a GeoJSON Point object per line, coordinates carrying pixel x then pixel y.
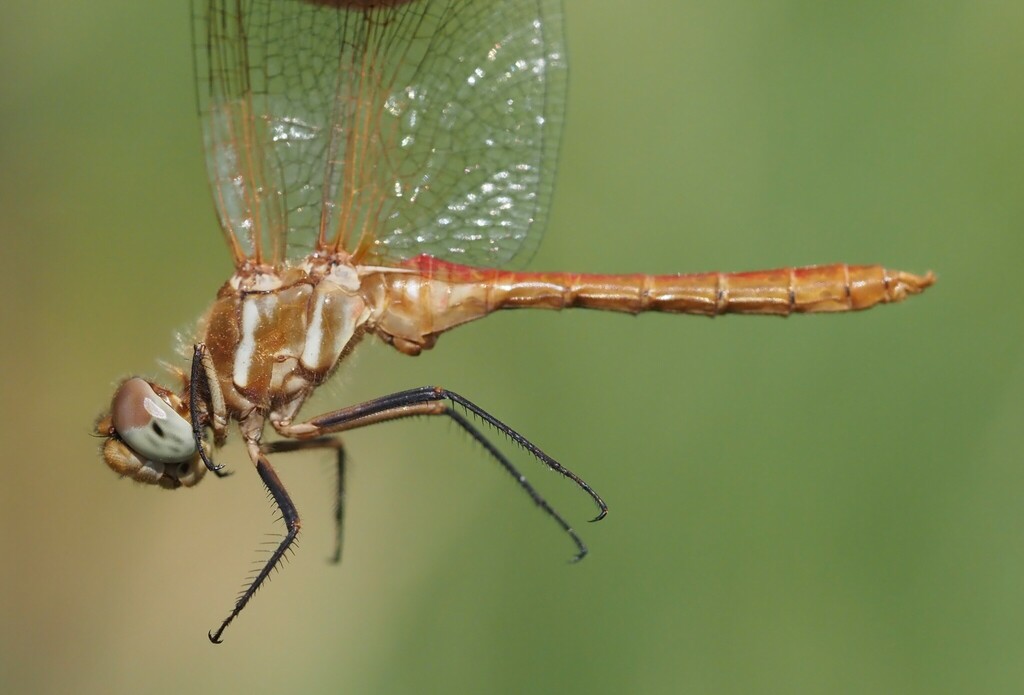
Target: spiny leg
{"type": "Point", "coordinates": [285, 446]}
{"type": "Point", "coordinates": [430, 400]}
{"type": "Point", "coordinates": [538, 499]}
{"type": "Point", "coordinates": [204, 373]}
{"type": "Point", "coordinates": [291, 521]}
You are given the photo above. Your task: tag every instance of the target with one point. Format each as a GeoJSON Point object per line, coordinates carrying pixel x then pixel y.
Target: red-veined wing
{"type": "Point", "coordinates": [387, 128]}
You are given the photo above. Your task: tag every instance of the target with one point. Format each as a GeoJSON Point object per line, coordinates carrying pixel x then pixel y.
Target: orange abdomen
{"type": "Point", "coordinates": [429, 296]}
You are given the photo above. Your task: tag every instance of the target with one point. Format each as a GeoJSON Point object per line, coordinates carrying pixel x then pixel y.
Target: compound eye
{"type": "Point", "coordinates": [147, 424]}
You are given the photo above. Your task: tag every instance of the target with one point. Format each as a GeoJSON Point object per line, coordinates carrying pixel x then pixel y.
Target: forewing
{"type": "Point", "coordinates": [387, 128]}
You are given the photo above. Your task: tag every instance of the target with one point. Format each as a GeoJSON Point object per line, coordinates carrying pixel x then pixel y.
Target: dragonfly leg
{"type": "Point", "coordinates": [285, 446]}
{"type": "Point", "coordinates": [204, 373]}
{"type": "Point", "coordinates": [292, 524]}
{"type": "Point", "coordinates": [433, 400]}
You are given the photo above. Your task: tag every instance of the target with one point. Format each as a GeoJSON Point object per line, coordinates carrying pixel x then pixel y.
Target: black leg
{"type": "Point", "coordinates": [285, 446]}
{"type": "Point", "coordinates": [292, 524]}
{"type": "Point", "coordinates": [198, 418]}
{"type": "Point", "coordinates": [429, 400]}
{"type": "Point", "coordinates": [581, 548]}
{"type": "Point", "coordinates": [339, 505]}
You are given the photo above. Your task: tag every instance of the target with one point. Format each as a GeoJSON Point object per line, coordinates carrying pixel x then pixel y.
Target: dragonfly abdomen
{"type": "Point", "coordinates": [429, 296]}
{"type": "Point", "coordinates": [781, 292]}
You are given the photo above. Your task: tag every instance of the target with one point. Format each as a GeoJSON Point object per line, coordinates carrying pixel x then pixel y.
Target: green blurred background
{"type": "Point", "coordinates": [823, 504]}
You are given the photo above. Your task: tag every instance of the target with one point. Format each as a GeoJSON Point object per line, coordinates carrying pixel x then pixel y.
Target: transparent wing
{"type": "Point", "coordinates": [386, 128]}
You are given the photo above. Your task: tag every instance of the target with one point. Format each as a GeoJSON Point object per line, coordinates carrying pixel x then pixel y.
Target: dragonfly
{"type": "Point", "coordinates": [385, 168]}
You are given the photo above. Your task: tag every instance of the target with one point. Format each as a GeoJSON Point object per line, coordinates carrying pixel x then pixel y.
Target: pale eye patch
{"type": "Point", "coordinates": [150, 427]}
{"type": "Point", "coordinates": [154, 408]}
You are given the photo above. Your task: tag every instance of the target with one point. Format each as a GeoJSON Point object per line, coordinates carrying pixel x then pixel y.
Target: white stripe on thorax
{"type": "Point", "coordinates": [247, 345]}
{"type": "Point", "coordinates": [314, 333]}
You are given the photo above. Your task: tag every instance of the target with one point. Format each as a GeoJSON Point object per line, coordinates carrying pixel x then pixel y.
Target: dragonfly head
{"type": "Point", "coordinates": [149, 437]}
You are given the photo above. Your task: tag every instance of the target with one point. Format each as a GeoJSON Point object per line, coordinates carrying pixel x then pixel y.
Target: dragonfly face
{"type": "Point", "coordinates": [148, 437]}
{"type": "Point", "coordinates": [373, 164]}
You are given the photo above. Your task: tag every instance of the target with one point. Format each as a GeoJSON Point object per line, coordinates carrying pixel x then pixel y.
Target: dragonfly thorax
{"type": "Point", "coordinates": [272, 346]}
